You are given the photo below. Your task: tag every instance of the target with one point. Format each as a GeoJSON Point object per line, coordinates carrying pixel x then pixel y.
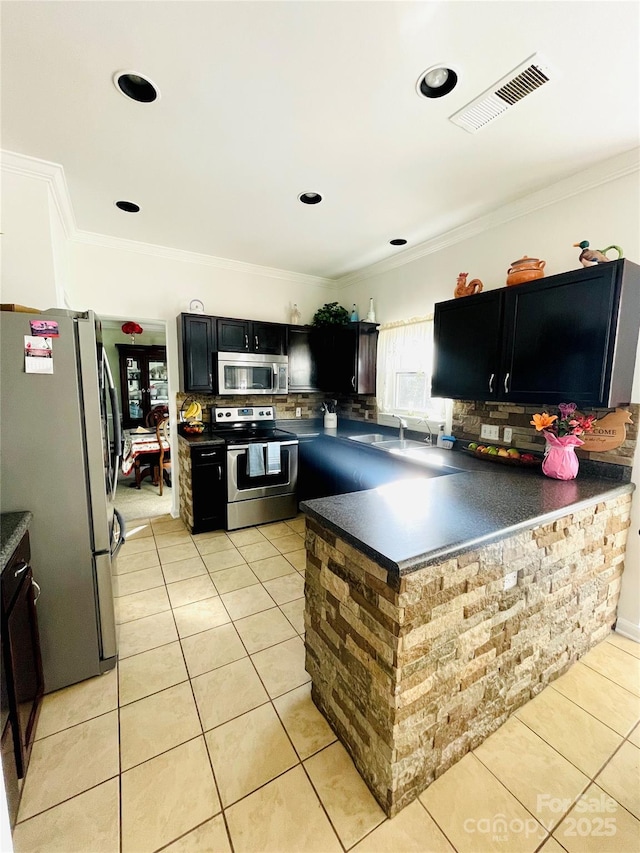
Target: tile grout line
{"type": "Point", "coordinates": [617, 683]}
{"type": "Point", "coordinates": [202, 734]}
{"type": "Point", "coordinates": [620, 648]}
{"type": "Point", "coordinates": [270, 701]}
{"type": "Point", "coordinates": [593, 716]}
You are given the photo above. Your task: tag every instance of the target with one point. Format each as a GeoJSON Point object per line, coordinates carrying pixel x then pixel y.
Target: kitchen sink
{"type": "Point", "coordinates": [370, 438]}
{"type": "Point", "coordinates": [400, 444]}
{"type": "Point", "coordinates": [423, 454]}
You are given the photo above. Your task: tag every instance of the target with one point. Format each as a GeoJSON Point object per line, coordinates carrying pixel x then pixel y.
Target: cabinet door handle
{"type": "Point", "coordinates": [256, 340]}
{"type": "Point", "coordinates": [246, 341]}
{"type": "Point", "coordinates": [491, 378]}
{"type": "Point", "coordinates": [22, 567]}
{"type": "Point", "coordinates": [38, 590]}
{"type": "Point", "coordinates": [353, 382]}
{"type": "Point", "coordinates": [219, 473]}
{"type": "Point", "coordinates": [506, 383]}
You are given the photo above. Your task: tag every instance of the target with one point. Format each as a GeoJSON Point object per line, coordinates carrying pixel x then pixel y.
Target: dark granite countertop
{"type": "Point", "coordinates": [407, 525]}
{"type": "Point", "coordinates": [205, 439]}
{"type": "Point", "coordinates": [13, 526]}
{"type": "Point", "coordinates": [311, 427]}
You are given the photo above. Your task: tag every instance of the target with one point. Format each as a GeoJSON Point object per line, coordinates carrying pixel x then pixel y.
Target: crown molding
{"type": "Point", "coordinates": [594, 176]}
{"type": "Point", "coordinates": [53, 174]}
{"type": "Point", "coordinates": [601, 173]}
{"type": "Point", "coordinates": [107, 242]}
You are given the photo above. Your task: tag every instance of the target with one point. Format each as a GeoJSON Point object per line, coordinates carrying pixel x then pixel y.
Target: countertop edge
{"type": "Point", "coordinates": [413, 564]}
{"type": "Point", "coordinates": [408, 566]}
{"type": "Point", "coordinates": [13, 526]}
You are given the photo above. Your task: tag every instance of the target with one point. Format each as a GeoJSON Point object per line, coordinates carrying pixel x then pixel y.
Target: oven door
{"type": "Point", "coordinates": [244, 484]}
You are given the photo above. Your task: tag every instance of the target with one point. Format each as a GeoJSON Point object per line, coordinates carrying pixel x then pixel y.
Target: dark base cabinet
{"type": "Point", "coordinates": [208, 488]}
{"type": "Point", "coordinates": [22, 679]}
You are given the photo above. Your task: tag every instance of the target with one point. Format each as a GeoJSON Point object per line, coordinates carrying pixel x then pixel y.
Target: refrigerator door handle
{"type": "Point", "coordinates": [106, 615]}
{"type": "Point", "coordinates": [122, 534]}
{"type": "Point", "coordinates": [117, 428]}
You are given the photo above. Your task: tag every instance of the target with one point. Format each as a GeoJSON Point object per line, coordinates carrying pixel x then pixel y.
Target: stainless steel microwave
{"type": "Point", "coordinates": [252, 373]}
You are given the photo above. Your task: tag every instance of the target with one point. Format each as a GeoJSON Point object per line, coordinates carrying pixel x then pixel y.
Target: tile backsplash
{"type": "Point", "coordinates": [468, 415]}
{"type": "Point", "coordinates": [352, 406]}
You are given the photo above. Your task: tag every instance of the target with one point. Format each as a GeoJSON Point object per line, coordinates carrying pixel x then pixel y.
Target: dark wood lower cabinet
{"type": "Point", "coordinates": [22, 680]}
{"type": "Point", "coordinates": [208, 488]}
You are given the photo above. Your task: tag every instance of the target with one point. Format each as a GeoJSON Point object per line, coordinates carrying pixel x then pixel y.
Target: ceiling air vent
{"type": "Point", "coordinates": [522, 81]}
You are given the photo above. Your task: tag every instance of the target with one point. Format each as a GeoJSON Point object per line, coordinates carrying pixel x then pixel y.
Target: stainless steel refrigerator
{"type": "Point", "coordinates": [59, 461]}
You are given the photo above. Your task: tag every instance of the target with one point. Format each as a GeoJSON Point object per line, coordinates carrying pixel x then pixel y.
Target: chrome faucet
{"type": "Point", "coordinates": [427, 438]}
{"type": "Point", "coordinates": [402, 427]}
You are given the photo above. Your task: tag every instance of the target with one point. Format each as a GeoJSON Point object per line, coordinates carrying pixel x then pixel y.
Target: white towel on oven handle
{"type": "Point", "coordinates": [255, 460]}
{"type": "Point", "coordinates": [273, 457]}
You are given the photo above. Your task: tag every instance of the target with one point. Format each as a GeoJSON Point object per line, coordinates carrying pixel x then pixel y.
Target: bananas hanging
{"type": "Point", "coordinates": [194, 412]}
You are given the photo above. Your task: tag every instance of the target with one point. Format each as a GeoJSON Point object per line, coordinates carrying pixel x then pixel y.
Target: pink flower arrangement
{"type": "Point", "coordinates": [570, 422]}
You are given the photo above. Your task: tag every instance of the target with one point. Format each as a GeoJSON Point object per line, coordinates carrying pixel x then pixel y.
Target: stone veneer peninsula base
{"type": "Point", "coordinates": [415, 670]}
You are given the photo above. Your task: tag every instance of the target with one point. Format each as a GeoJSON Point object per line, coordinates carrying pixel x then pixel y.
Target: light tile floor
{"type": "Point", "coordinates": [205, 739]}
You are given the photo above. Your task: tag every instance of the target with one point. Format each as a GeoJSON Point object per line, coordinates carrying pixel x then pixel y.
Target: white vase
{"type": "Point", "coordinates": [371, 316]}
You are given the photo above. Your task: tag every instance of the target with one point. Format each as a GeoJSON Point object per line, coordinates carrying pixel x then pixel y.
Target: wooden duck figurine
{"type": "Point", "coordinates": [589, 257]}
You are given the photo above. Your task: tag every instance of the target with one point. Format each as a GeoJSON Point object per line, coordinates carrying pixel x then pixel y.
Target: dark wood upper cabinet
{"type": "Point", "coordinates": [196, 346]}
{"type": "Point", "coordinates": [346, 357]}
{"type": "Point", "coordinates": [570, 337]}
{"type": "Point", "coordinates": [200, 337]}
{"type": "Point", "coordinates": [303, 371]}
{"type": "Point", "coordinates": [467, 347]}
{"type": "Point", "coordinates": [251, 336]}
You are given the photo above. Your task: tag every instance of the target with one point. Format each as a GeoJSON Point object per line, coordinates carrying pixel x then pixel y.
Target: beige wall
{"type": "Point", "coordinates": [32, 244]}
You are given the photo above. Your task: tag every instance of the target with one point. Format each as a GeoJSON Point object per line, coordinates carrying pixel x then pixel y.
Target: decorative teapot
{"type": "Point", "coordinates": [526, 269]}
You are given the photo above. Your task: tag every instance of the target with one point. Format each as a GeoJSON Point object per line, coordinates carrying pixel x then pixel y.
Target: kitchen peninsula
{"type": "Point", "coordinates": [436, 607]}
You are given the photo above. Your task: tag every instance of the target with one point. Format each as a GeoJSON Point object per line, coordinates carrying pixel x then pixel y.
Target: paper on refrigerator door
{"type": "Point", "coordinates": [38, 354]}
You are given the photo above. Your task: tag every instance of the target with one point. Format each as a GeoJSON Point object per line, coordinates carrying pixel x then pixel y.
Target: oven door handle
{"type": "Point", "coordinates": [246, 446]}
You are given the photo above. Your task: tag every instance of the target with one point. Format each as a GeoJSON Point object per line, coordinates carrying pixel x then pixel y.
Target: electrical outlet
{"type": "Point", "coordinates": [490, 431]}
{"type": "Point", "coordinates": [298, 412]}
{"type": "Point", "coordinates": [510, 580]}
{"type": "Point", "coordinates": [508, 435]}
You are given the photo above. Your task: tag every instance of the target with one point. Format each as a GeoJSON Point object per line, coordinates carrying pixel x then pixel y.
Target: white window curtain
{"type": "Point", "coordinates": [405, 359]}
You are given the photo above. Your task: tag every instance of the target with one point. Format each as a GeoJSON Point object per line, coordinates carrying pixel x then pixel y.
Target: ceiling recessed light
{"type": "Point", "coordinates": [399, 241]}
{"type": "Point", "coordinates": [310, 198]}
{"type": "Point", "coordinates": [128, 206]}
{"type": "Point", "coordinates": [436, 82]}
{"type": "Point", "coordinates": [135, 86]}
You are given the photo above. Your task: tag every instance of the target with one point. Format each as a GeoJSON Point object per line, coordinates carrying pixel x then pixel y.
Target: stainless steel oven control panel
{"type": "Point", "coordinates": [235, 414]}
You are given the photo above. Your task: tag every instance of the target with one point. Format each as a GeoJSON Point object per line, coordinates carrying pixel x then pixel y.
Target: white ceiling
{"type": "Point", "coordinates": [261, 101]}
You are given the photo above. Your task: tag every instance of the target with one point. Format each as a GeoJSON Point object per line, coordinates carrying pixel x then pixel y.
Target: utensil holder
{"type": "Point", "coordinates": [330, 420]}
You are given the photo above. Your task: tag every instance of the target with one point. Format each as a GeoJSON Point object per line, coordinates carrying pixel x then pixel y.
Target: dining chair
{"type": "Point", "coordinates": [164, 458]}
{"type": "Point", "coordinates": [156, 414]}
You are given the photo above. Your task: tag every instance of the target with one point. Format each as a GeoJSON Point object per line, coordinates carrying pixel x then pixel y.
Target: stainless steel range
{"type": "Point", "coordinates": [262, 465]}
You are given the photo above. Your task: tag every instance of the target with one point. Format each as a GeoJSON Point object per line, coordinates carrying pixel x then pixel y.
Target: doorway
{"type": "Point", "coordinates": [142, 384]}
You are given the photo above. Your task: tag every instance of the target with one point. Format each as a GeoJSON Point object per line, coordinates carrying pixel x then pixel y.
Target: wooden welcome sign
{"type": "Point", "coordinates": [608, 433]}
